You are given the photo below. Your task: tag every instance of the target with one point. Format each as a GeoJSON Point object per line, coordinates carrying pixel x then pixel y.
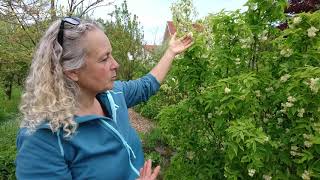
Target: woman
{"type": "Point", "coordinates": [76, 123]}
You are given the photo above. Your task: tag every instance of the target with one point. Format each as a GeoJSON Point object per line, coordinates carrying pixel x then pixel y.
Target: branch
{"type": "Point", "coordinates": [22, 25]}
{"type": "Point", "coordinates": [93, 6]}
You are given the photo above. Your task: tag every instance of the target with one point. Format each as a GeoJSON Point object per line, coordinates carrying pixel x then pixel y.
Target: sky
{"type": "Point", "coordinates": [153, 14]}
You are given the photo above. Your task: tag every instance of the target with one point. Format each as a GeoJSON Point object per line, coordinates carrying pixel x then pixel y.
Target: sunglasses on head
{"type": "Point", "coordinates": [70, 20]}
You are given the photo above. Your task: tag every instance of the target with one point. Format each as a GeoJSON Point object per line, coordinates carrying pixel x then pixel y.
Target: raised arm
{"type": "Point", "coordinates": [176, 46]}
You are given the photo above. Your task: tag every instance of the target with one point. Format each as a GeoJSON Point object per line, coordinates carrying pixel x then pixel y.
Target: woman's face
{"type": "Point", "coordinates": [100, 69]}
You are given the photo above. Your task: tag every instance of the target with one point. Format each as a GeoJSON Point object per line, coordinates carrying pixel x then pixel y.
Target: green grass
{"type": "Point", "coordinates": [9, 125]}
{"type": "Point", "coordinates": [8, 132]}
{"type": "Point", "coordinates": [9, 108]}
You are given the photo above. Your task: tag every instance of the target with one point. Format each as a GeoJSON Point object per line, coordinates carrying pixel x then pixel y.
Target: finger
{"type": "Point", "coordinates": [155, 172]}
{"type": "Point", "coordinates": [187, 41]}
{"type": "Point", "coordinates": [145, 168]}
{"type": "Point", "coordinates": [141, 172]}
{"type": "Point", "coordinates": [183, 38]}
{"type": "Point", "coordinates": [187, 46]}
{"type": "Point", "coordinates": [149, 163]}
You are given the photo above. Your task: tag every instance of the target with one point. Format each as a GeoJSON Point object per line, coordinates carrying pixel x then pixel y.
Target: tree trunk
{"type": "Point", "coordinates": [53, 11]}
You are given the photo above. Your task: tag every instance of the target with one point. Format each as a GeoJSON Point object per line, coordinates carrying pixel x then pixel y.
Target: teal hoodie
{"type": "Point", "coordinates": [101, 148]}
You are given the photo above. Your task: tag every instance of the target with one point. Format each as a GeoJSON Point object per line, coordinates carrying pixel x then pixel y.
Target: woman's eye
{"type": "Point", "coordinates": [105, 59]}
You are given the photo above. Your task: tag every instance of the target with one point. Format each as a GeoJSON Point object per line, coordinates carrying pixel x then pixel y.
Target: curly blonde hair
{"type": "Point", "coordinates": [49, 95]}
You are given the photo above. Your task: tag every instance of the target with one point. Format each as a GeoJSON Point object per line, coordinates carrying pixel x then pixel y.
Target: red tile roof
{"type": "Point", "coordinates": [150, 48]}
{"type": "Point", "coordinates": [171, 28]}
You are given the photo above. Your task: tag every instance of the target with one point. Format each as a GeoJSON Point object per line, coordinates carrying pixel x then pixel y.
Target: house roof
{"type": "Point", "coordinates": [150, 48]}
{"type": "Point", "coordinates": [171, 28]}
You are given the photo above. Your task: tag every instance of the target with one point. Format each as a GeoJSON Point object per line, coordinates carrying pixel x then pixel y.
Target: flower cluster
{"type": "Point", "coordinates": [294, 151]}
{"type": "Point", "coordinates": [307, 143]}
{"type": "Point", "coordinates": [227, 90]}
{"type": "Point", "coordinates": [238, 61]}
{"type": "Point", "coordinates": [306, 175]}
{"type": "Point", "coordinates": [316, 127]}
{"type": "Point", "coordinates": [183, 13]}
{"type": "Point", "coordinates": [258, 93]}
{"type": "Point", "coordinates": [312, 31]}
{"type": "Point", "coordinates": [288, 104]}
{"type": "Point", "coordinates": [190, 155]}
{"type": "Point", "coordinates": [263, 36]}
{"type": "Point", "coordinates": [313, 84]}
{"type": "Point", "coordinates": [251, 172]}
{"type": "Point", "coordinates": [269, 89]}
{"type": "Point", "coordinates": [301, 112]}
{"type": "Point", "coordinates": [246, 43]}
{"type": "Point", "coordinates": [297, 20]}
{"type": "Point", "coordinates": [285, 77]}
{"type": "Point", "coordinates": [287, 52]}
{"type": "Point", "coordinates": [266, 177]}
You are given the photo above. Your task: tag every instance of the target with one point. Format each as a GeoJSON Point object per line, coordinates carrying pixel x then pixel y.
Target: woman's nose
{"type": "Point", "coordinates": [115, 64]}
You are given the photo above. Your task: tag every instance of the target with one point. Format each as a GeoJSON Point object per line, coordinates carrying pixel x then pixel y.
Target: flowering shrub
{"type": "Point", "coordinates": [249, 98]}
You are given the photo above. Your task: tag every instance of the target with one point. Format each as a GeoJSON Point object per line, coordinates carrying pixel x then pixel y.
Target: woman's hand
{"type": "Point", "coordinates": [177, 46]}
{"type": "Point", "coordinates": [146, 172]}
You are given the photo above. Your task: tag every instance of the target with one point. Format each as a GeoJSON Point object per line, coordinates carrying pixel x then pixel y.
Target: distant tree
{"type": "Point", "coordinates": [126, 37]}
{"type": "Point", "coordinates": [22, 23]}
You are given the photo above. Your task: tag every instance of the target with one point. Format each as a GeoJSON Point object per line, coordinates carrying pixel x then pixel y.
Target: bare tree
{"type": "Point", "coordinates": [85, 6]}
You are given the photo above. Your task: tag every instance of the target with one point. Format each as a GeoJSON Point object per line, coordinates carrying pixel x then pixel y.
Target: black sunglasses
{"type": "Point", "coordinates": [69, 20]}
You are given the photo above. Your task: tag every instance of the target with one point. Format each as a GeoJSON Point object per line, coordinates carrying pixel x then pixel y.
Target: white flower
{"type": "Point", "coordinates": [294, 148]}
{"type": "Point", "coordinates": [305, 175]}
{"type": "Point", "coordinates": [313, 84]}
{"type": "Point", "coordinates": [291, 99]}
{"type": "Point", "coordinates": [286, 52]}
{"type": "Point", "coordinates": [306, 136]}
{"type": "Point", "coordinates": [264, 38]}
{"type": "Point", "coordinates": [285, 77]}
{"type": "Point", "coordinates": [280, 120]}
{"type": "Point", "coordinates": [253, 6]}
{"type": "Point", "coordinates": [288, 104]}
{"type": "Point", "coordinates": [190, 155]}
{"type": "Point", "coordinates": [238, 61]}
{"type": "Point", "coordinates": [283, 110]}
{"type": "Point", "coordinates": [293, 153]}
{"type": "Point", "coordinates": [267, 177]}
{"type": "Point", "coordinates": [301, 112]}
{"type": "Point", "coordinates": [251, 172]}
{"type": "Point", "coordinates": [270, 89]}
{"type": "Point", "coordinates": [258, 93]}
{"type": "Point", "coordinates": [297, 20]}
{"type": "Point", "coordinates": [307, 144]}
{"type": "Point", "coordinates": [244, 46]}
{"type": "Point", "coordinates": [227, 90]}
{"type": "Point", "coordinates": [312, 31]}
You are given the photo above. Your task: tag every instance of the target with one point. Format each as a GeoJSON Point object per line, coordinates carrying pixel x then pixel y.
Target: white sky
{"type": "Point", "coordinates": [153, 14]}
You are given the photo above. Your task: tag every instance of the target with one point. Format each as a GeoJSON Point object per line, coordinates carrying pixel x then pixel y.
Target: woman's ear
{"type": "Point", "coordinates": [72, 74]}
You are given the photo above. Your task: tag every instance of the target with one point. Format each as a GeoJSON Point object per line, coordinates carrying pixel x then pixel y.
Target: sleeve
{"type": "Point", "coordinates": [39, 157]}
{"type": "Point", "coordinates": [140, 90]}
